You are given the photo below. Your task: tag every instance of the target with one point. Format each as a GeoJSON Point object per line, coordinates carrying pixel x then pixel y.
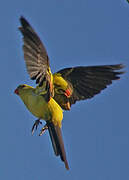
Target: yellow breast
{"type": "Point", "coordinates": [37, 105]}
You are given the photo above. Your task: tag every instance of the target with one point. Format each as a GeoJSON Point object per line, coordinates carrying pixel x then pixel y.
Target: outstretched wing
{"type": "Point", "coordinates": [35, 55]}
{"type": "Point", "coordinates": [88, 81]}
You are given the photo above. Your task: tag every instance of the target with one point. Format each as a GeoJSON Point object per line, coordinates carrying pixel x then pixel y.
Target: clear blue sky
{"type": "Point", "coordinates": [96, 131]}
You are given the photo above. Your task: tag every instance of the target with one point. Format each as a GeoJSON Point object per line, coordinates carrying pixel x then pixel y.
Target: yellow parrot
{"type": "Point", "coordinates": [39, 100]}
{"type": "Point", "coordinates": [59, 90]}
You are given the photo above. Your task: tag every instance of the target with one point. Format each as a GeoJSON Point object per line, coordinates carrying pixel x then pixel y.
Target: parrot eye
{"type": "Point", "coordinates": [22, 86]}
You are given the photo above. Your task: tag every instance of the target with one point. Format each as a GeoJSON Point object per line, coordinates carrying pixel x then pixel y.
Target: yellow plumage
{"type": "Point", "coordinates": [60, 90]}
{"type": "Point", "coordinates": [36, 102]}
{"type": "Point", "coordinates": [59, 81]}
{"type": "Point", "coordinates": [37, 105]}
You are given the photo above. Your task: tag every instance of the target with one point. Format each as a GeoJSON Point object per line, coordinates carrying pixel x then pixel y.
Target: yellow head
{"type": "Point", "coordinates": [21, 89]}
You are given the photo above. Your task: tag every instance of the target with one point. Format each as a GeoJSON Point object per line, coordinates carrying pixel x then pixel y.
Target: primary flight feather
{"type": "Point", "coordinates": [60, 90]}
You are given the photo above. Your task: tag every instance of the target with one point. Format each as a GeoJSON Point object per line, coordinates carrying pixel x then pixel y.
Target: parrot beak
{"type": "Point", "coordinates": [16, 91]}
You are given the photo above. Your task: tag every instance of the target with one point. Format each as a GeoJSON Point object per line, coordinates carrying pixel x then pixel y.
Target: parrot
{"type": "Point", "coordinates": [58, 91]}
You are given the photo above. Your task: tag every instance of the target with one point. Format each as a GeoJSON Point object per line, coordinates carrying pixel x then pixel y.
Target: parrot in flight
{"type": "Point", "coordinates": [57, 92]}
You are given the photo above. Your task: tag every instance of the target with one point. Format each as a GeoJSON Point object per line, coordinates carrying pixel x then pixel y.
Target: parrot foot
{"type": "Point", "coordinates": [43, 130]}
{"type": "Point", "coordinates": [35, 125]}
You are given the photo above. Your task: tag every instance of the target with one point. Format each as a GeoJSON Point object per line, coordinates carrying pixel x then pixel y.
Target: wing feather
{"type": "Point", "coordinates": [35, 55]}
{"type": "Point", "coordinates": [91, 80]}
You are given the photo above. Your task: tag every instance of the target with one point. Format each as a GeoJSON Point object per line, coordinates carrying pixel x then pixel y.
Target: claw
{"type": "Point", "coordinates": [43, 130]}
{"type": "Point", "coordinates": [35, 126]}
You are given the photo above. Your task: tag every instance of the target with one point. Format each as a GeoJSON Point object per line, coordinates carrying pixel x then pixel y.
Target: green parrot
{"type": "Point", "coordinates": [60, 90]}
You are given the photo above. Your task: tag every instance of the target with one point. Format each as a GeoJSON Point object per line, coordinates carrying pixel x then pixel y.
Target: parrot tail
{"type": "Point", "coordinates": [57, 142]}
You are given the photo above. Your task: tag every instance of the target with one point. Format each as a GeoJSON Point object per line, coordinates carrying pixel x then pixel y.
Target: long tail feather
{"type": "Point", "coordinates": [57, 142]}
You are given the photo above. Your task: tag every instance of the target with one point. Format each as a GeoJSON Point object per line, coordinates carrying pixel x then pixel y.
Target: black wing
{"type": "Point", "coordinates": [89, 81]}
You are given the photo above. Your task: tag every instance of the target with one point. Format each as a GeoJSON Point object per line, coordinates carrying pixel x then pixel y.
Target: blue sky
{"type": "Point", "coordinates": [96, 131]}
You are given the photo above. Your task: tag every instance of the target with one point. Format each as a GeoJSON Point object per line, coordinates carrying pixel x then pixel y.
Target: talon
{"type": "Point", "coordinates": [43, 130]}
{"type": "Point", "coordinates": [35, 125]}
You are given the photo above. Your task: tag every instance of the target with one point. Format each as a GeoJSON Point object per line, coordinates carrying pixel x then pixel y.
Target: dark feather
{"type": "Point", "coordinates": [89, 81]}
{"type": "Point", "coordinates": [36, 58]}
{"type": "Point", "coordinates": [57, 142]}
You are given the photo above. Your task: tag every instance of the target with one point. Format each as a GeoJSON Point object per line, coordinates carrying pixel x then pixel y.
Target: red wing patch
{"type": "Point", "coordinates": [67, 93]}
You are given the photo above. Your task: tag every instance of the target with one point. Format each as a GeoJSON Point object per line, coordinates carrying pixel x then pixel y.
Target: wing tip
{"type": "Point", "coordinates": [118, 67]}
{"type": "Point", "coordinates": [121, 66]}
{"type": "Point", "coordinates": [24, 22]}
